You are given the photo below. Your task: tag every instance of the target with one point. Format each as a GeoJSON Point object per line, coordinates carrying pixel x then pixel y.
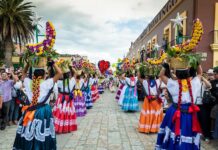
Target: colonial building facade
{"type": "Point", "coordinates": [160, 30]}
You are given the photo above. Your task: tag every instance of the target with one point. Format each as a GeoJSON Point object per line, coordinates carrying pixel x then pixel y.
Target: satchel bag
{"type": "Point", "coordinates": [208, 98]}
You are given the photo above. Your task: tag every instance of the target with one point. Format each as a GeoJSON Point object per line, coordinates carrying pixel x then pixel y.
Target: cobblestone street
{"type": "Point", "coordinates": [105, 127]}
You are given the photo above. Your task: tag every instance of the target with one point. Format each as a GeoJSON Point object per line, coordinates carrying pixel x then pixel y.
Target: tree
{"type": "Point", "coordinates": [15, 25]}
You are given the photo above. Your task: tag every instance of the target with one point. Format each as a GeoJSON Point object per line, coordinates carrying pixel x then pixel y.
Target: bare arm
{"type": "Point", "coordinates": [199, 70]}
{"type": "Point", "coordinates": [1, 102]}
{"type": "Point", "coordinates": [24, 73]}
{"type": "Point", "coordinates": [58, 73]}
{"type": "Point", "coordinates": [15, 78]}
{"type": "Point", "coordinates": [162, 76]}
{"type": "Point", "coordinates": [207, 83]}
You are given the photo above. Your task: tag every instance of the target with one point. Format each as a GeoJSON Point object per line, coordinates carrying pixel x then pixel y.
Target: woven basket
{"type": "Point", "coordinates": [42, 63]}
{"type": "Point", "coordinates": [178, 64]}
{"type": "Point", "coordinates": [65, 69]}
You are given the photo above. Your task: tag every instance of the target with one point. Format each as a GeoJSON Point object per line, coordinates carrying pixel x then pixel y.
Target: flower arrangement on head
{"type": "Point", "coordinates": [64, 65]}
{"type": "Point", "coordinates": [157, 61]}
{"type": "Point", "coordinates": [182, 55]}
{"type": "Point", "coordinates": [39, 52]}
{"type": "Point", "coordinates": [103, 66]}
{"type": "Point", "coordinates": [77, 61]}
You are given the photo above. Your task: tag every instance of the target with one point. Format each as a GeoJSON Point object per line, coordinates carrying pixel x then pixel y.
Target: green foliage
{"type": "Point", "coordinates": [192, 58]}
{"type": "Point", "coordinates": [15, 20]}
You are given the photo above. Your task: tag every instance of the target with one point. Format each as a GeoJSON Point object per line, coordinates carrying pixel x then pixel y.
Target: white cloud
{"type": "Point", "coordinates": [100, 29]}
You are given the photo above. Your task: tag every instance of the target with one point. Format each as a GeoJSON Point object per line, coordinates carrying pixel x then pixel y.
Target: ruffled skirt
{"type": "Point", "coordinates": [80, 105]}
{"type": "Point", "coordinates": [122, 94]}
{"type": "Point", "coordinates": [88, 98]}
{"type": "Point", "coordinates": [151, 116]}
{"type": "Point", "coordinates": [119, 92]}
{"type": "Point", "coordinates": [130, 101]}
{"type": "Point", "coordinates": [39, 134]}
{"type": "Point", "coordinates": [95, 94]}
{"type": "Point", "coordinates": [188, 140]}
{"type": "Point", "coordinates": [64, 115]}
{"type": "Point", "coordinates": [100, 89]}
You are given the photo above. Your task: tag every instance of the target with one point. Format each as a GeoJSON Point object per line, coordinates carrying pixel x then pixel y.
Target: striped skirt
{"type": "Point", "coordinates": [64, 114]}
{"type": "Point", "coordinates": [151, 116]}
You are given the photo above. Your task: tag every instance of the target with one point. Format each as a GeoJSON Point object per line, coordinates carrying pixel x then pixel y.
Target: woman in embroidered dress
{"type": "Point", "coordinates": [180, 129]}
{"type": "Point", "coordinates": [130, 100]}
{"type": "Point", "coordinates": [64, 110]}
{"type": "Point", "coordinates": [121, 85]}
{"type": "Point", "coordinates": [101, 85]}
{"type": "Point", "coordinates": [87, 92]}
{"type": "Point", "coordinates": [152, 113]}
{"type": "Point", "coordinates": [94, 88]}
{"type": "Point", "coordinates": [112, 85]}
{"type": "Point", "coordinates": [122, 94]}
{"type": "Point", "coordinates": [36, 129]}
{"type": "Point", "coordinates": [79, 100]}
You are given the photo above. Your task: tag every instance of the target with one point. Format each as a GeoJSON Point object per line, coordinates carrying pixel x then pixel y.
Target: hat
{"type": "Point", "coordinates": [210, 71]}
{"type": "Point", "coordinates": [215, 69]}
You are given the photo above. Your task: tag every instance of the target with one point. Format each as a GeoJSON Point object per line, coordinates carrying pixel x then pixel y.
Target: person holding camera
{"type": "Point", "coordinates": [214, 111]}
{"type": "Point", "coordinates": [202, 100]}
{"type": "Point", "coordinates": [6, 86]}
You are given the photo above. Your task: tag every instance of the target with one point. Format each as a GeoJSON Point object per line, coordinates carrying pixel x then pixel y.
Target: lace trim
{"type": "Point", "coordinates": [129, 105]}
{"type": "Point", "coordinates": [152, 112]}
{"type": "Point", "coordinates": [65, 122]}
{"type": "Point", "coordinates": [182, 139]}
{"type": "Point", "coordinates": [146, 126]}
{"type": "Point", "coordinates": [33, 130]}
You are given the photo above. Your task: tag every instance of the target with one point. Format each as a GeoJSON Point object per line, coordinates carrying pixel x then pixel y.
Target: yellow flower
{"type": "Point", "coordinates": [184, 85]}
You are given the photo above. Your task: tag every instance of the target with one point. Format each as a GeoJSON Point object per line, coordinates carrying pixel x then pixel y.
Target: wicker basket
{"type": "Point", "coordinates": [178, 64]}
{"type": "Point", "coordinates": [41, 63]}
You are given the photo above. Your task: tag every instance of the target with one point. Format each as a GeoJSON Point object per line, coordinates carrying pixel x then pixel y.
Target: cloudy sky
{"type": "Point", "coordinates": [99, 29]}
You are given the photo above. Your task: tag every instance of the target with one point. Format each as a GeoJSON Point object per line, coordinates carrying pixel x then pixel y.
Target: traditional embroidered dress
{"type": "Point", "coordinates": [151, 114]}
{"type": "Point", "coordinates": [130, 100]}
{"type": "Point", "coordinates": [101, 86]}
{"type": "Point", "coordinates": [36, 129]}
{"type": "Point", "coordinates": [64, 110]}
{"type": "Point", "coordinates": [87, 94]}
{"type": "Point", "coordinates": [112, 86]}
{"type": "Point", "coordinates": [94, 90]}
{"type": "Point", "coordinates": [180, 129]}
{"type": "Point", "coordinates": [79, 100]}
{"type": "Point", "coordinates": [121, 85]}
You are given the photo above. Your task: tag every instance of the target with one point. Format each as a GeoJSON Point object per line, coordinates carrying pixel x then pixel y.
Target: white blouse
{"type": "Point", "coordinates": [130, 82]}
{"type": "Point", "coordinates": [153, 90]}
{"type": "Point", "coordinates": [45, 86]}
{"type": "Point", "coordinates": [173, 87]}
{"type": "Point", "coordinates": [79, 84]}
{"type": "Point", "coordinates": [72, 82]}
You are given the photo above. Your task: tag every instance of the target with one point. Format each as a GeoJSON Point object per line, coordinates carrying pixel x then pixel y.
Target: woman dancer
{"type": "Point", "coordinates": [79, 100]}
{"type": "Point", "coordinates": [121, 85]}
{"type": "Point", "coordinates": [130, 100]}
{"type": "Point", "coordinates": [180, 128]}
{"type": "Point", "coordinates": [152, 113]}
{"type": "Point", "coordinates": [64, 110]}
{"type": "Point", "coordinates": [87, 92]}
{"type": "Point", "coordinates": [36, 129]}
{"type": "Point", "coordinates": [94, 88]}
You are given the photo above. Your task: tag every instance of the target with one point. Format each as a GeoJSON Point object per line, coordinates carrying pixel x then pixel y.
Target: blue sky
{"type": "Point", "coordinates": [99, 29]}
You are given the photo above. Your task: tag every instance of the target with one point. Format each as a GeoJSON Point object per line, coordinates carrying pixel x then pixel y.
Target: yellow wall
{"type": "Point", "coordinates": [214, 46]}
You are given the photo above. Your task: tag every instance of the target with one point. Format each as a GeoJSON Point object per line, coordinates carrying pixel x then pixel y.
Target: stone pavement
{"type": "Point", "coordinates": [105, 127]}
